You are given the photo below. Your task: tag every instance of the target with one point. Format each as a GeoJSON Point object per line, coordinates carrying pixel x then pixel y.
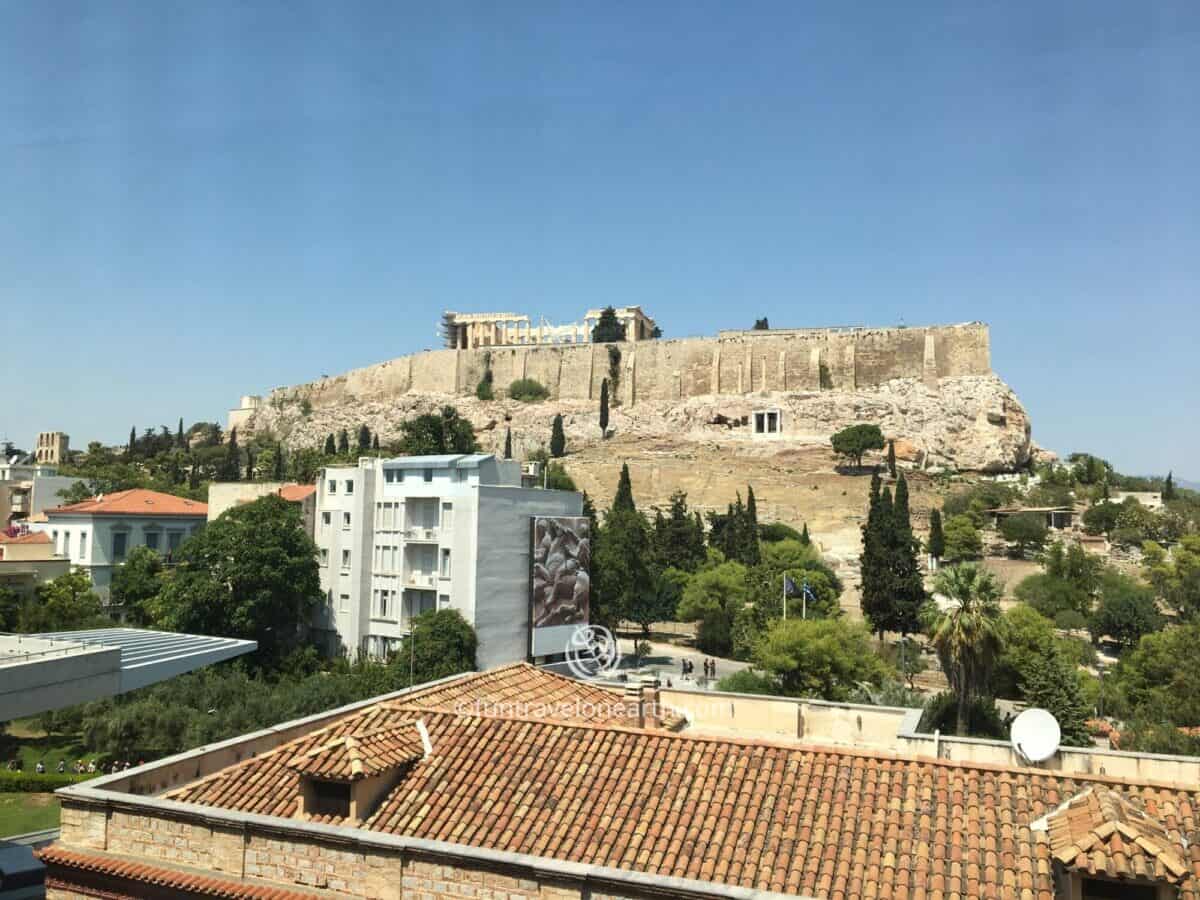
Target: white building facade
{"type": "Point", "coordinates": [398, 537]}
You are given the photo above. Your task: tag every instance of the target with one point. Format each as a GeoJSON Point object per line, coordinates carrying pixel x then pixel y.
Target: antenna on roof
{"type": "Point", "coordinates": [1035, 735]}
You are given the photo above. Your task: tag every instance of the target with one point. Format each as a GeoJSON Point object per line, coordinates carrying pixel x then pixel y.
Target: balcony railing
{"type": "Point", "coordinates": [421, 534]}
{"type": "Point", "coordinates": [420, 579]}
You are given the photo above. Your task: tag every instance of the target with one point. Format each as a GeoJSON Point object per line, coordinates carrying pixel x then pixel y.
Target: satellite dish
{"type": "Point", "coordinates": [1035, 735]}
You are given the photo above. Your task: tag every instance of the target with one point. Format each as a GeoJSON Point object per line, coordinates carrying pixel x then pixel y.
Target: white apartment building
{"type": "Point", "coordinates": [398, 537]}
{"type": "Point", "coordinates": [97, 534]}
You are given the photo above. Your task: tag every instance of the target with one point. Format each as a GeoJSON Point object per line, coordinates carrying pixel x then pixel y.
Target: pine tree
{"type": "Point", "coordinates": [604, 408]}
{"type": "Point", "coordinates": [937, 540]}
{"type": "Point", "coordinates": [804, 538]}
{"type": "Point", "coordinates": [678, 538]}
{"type": "Point", "coordinates": [343, 444]}
{"type": "Point", "coordinates": [330, 446]}
{"type": "Point", "coordinates": [364, 438]}
{"type": "Point", "coordinates": [131, 447]}
{"type": "Point", "coordinates": [508, 443]}
{"type": "Point", "coordinates": [624, 495]}
{"type": "Point", "coordinates": [891, 458]}
{"type": "Point", "coordinates": [558, 440]}
{"type": "Point", "coordinates": [1168, 490]}
{"type": "Point", "coordinates": [179, 439]}
{"type": "Point", "coordinates": [230, 469]}
{"type": "Point", "coordinates": [277, 474]}
{"type": "Point", "coordinates": [608, 327]}
{"type": "Point", "coordinates": [1051, 683]}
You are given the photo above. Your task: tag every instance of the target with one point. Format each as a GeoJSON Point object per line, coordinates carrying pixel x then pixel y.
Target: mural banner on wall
{"type": "Point", "coordinates": [560, 585]}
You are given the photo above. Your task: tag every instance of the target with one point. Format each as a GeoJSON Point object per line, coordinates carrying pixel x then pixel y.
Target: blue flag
{"type": "Point", "coordinates": [789, 586]}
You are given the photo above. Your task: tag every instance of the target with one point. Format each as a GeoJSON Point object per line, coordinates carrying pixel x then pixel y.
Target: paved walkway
{"type": "Point", "coordinates": [666, 659]}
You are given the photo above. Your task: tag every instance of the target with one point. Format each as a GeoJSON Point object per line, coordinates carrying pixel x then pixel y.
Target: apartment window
{"type": "Point", "coordinates": [326, 518]}
{"type": "Point", "coordinates": [389, 475]}
{"type": "Point", "coordinates": [345, 521]}
{"type": "Point", "coordinates": [120, 542]}
{"type": "Point", "coordinates": [331, 486]}
{"type": "Point", "coordinates": [343, 602]}
{"type": "Point", "coordinates": [54, 539]}
{"type": "Point", "coordinates": [445, 563]}
{"type": "Point", "coordinates": [399, 476]}
{"type": "Point", "coordinates": [429, 474]}
{"type": "Point", "coordinates": [383, 602]}
{"type": "Point", "coordinates": [152, 540]}
{"type": "Point", "coordinates": [345, 559]}
{"type": "Point", "coordinates": [324, 556]}
{"type": "Point", "coordinates": [174, 539]}
{"type": "Point", "coordinates": [349, 487]}
{"type": "Point", "coordinates": [447, 515]}
{"type": "Point", "coordinates": [443, 600]}
{"type": "Point", "coordinates": [82, 544]}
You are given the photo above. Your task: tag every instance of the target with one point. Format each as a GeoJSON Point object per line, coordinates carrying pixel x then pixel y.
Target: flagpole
{"type": "Point", "coordinates": [785, 596]}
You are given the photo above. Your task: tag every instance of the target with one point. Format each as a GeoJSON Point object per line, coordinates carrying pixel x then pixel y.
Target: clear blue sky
{"type": "Point", "coordinates": [207, 199]}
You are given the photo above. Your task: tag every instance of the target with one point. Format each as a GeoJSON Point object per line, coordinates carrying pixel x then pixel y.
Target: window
{"type": "Point", "coordinates": [345, 559]}
{"type": "Point", "coordinates": [399, 476]}
{"type": "Point", "coordinates": [152, 540]}
{"type": "Point", "coordinates": [326, 518]}
{"type": "Point", "coordinates": [345, 521]}
{"type": "Point", "coordinates": [1099, 889]}
{"type": "Point", "coordinates": [120, 541]}
{"type": "Point", "coordinates": [429, 474]}
{"type": "Point", "coordinates": [82, 544]}
{"type": "Point", "coordinates": [443, 600]}
{"type": "Point", "coordinates": [343, 602]}
{"type": "Point", "coordinates": [463, 474]}
{"type": "Point", "coordinates": [174, 539]}
{"type": "Point", "coordinates": [389, 475]}
{"type": "Point", "coordinates": [349, 487]}
{"type": "Point", "coordinates": [330, 798]}
{"type": "Point", "coordinates": [331, 486]}
{"type": "Point", "coordinates": [445, 563]}
{"type": "Point", "coordinates": [447, 515]}
{"type": "Point", "coordinates": [324, 556]}
{"type": "Point", "coordinates": [384, 597]}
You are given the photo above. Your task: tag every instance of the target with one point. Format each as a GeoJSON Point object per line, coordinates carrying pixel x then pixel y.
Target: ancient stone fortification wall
{"type": "Point", "coordinates": [732, 363]}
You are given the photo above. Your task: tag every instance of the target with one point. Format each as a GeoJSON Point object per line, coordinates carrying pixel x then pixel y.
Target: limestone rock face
{"type": "Point", "coordinates": [967, 423]}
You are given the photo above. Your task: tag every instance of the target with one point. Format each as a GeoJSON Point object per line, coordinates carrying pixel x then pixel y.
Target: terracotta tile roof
{"type": "Point", "coordinates": [756, 814]}
{"type": "Point", "coordinates": [1102, 832]}
{"type": "Point", "coordinates": [294, 493]}
{"type": "Point", "coordinates": [57, 858]}
{"type": "Point", "coordinates": [30, 537]}
{"type": "Point", "coordinates": [351, 757]}
{"type": "Point", "coordinates": [134, 502]}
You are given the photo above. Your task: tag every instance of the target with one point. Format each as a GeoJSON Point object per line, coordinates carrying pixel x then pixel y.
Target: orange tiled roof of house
{"type": "Point", "coordinates": [29, 537]}
{"type": "Point", "coordinates": [163, 879]}
{"type": "Point", "coordinates": [752, 813]}
{"type": "Point", "coordinates": [1102, 832]}
{"type": "Point", "coordinates": [354, 756]}
{"type": "Point", "coordinates": [294, 493]}
{"type": "Point", "coordinates": [134, 502]}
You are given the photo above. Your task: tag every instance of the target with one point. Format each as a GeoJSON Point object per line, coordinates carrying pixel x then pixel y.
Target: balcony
{"type": "Point", "coordinates": [419, 580]}
{"type": "Point", "coordinates": [421, 535]}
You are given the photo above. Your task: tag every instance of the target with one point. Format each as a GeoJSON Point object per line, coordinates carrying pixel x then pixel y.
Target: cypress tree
{"type": "Point", "coordinates": [375, 441]}
{"type": "Point", "coordinates": [279, 467]}
{"type": "Point", "coordinates": [364, 438]}
{"type": "Point", "coordinates": [343, 444]}
{"type": "Point", "coordinates": [750, 552]}
{"type": "Point", "coordinates": [937, 540]}
{"type": "Point", "coordinates": [604, 408]}
{"type": "Point", "coordinates": [624, 495]}
{"type": "Point", "coordinates": [249, 464]}
{"type": "Point", "coordinates": [508, 443]}
{"type": "Point", "coordinates": [330, 446]}
{"type": "Point", "coordinates": [131, 447]}
{"type": "Point", "coordinates": [194, 477]}
{"type": "Point", "coordinates": [873, 561]}
{"type": "Point", "coordinates": [1168, 490]}
{"type": "Point", "coordinates": [558, 440]}
{"type": "Point", "coordinates": [231, 468]}
{"type": "Point", "coordinates": [891, 458]}
{"type": "Point", "coordinates": [804, 538]}
{"type": "Point", "coordinates": [179, 439]}
{"type": "Point", "coordinates": [908, 593]}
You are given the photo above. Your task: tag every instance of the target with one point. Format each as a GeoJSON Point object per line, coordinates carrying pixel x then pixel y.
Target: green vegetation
{"type": "Point", "coordinates": [856, 440]}
{"type": "Point", "coordinates": [437, 433]}
{"type": "Point", "coordinates": [892, 587]}
{"type": "Point", "coordinates": [1024, 532]}
{"type": "Point", "coordinates": [604, 408]}
{"type": "Point", "coordinates": [527, 390]}
{"type": "Point", "coordinates": [25, 813]}
{"type": "Point", "coordinates": [961, 539]}
{"type": "Point", "coordinates": [826, 658]}
{"type": "Point", "coordinates": [558, 439]}
{"type": "Point", "coordinates": [608, 328]}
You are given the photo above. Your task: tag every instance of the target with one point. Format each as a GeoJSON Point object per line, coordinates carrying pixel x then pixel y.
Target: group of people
{"type": "Point", "coordinates": [91, 767]}
{"type": "Point", "coordinates": [710, 667]}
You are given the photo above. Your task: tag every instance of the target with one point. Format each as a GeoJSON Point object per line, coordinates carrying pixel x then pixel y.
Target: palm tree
{"type": "Point", "coordinates": [967, 636]}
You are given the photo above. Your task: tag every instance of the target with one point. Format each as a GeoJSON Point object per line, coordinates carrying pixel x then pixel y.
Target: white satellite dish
{"type": "Point", "coordinates": [1035, 735]}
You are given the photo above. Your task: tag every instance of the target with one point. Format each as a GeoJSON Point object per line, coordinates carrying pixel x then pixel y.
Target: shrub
{"type": "Point", "coordinates": [1070, 620]}
{"type": "Point", "coordinates": [527, 390]}
{"type": "Point", "coordinates": [484, 390]}
{"type": "Point", "coordinates": [983, 718]}
{"type": "Point", "coordinates": [773, 532]}
{"type": "Point", "coordinates": [748, 681]}
{"type": "Point", "coordinates": [33, 783]}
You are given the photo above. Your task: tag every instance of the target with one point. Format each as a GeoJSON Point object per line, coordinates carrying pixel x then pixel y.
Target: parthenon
{"type": "Point", "coordinates": [467, 331]}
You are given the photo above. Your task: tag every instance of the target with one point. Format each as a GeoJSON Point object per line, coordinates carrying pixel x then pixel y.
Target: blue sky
{"type": "Point", "coordinates": [205, 199]}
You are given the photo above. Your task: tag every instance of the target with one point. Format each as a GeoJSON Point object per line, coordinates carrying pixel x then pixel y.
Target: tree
{"type": "Point", "coordinates": [437, 433]}
{"type": "Point", "coordinates": [1052, 684]}
{"type": "Point", "coordinates": [825, 658]}
{"type": "Point", "coordinates": [962, 540]}
{"type": "Point", "coordinates": [250, 574]}
{"type": "Point", "coordinates": [10, 609]}
{"type": "Point", "coordinates": [279, 467]}
{"type": "Point", "coordinates": [804, 538]}
{"type": "Point", "coordinates": [343, 441]}
{"type": "Point", "coordinates": [558, 440]}
{"type": "Point", "coordinates": [713, 598]}
{"type": "Point", "coordinates": [624, 495]}
{"type": "Point", "coordinates": [67, 603]}
{"type": "Point", "coordinates": [608, 328]}
{"type": "Point", "coordinates": [678, 538]}
{"type": "Point", "coordinates": [1101, 518]}
{"type": "Point", "coordinates": [854, 441]}
{"type": "Point", "coordinates": [1126, 611]}
{"type": "Point", "coordinates": [442, 643]}
{"type": "Point", "coordinates": [874, 562]}
{"type": "Point", "coordinates": [804, 567]}
{"type": "Point", "coordinates": [131, 447]}
{"type": "Point", "coordinates": [364, 439]}
{"type": "Point", "coordinates": [1159, 680]}
{"type": "Point", "coordinates": [1028, 635]}
{"type": "Point", "coordinates": [508, 443]}
{"type": "Point", "coordinates": [180, 440]}
{"type": "Point", "coordinates": [762, 324]}
{"type": "Point", "coordinates": [528, 390]}
{"type": "Point", "coordinates": [231, 468]}
{"type": "Point", "coordinates": [968, 635]}
{"type": "Point", "coordinates": [1024, 532]}
{"type": "Point", "coordinates": [330, 445]}
{"type": "Point", "coordinates": [619, 561]}
{"type": "Point", "coordinates": [750, 553]}
{"type": "Point", "coordinates": [891, 458]}
{"type": "Point", "coordinates": [486, 390]}
{"type": "Point", "coordinates": [1168, 489]}
{"type": "Point", "coordinates": [937, 540]}
{"type": "Point", "coordinates": [375, 442]}
{"type": "Point", "coordinates": [908, 587]}
{"type": "Point", "coordinates": [249, 464]}
{"type": "Point", "coordinates": [656, 598]}
{"type": "Point", "coordinates": [1176, 578]}
{"type": "Point", "coordinates": [135, 584]}
{"type": "Point", "coordinates": [604, 408]}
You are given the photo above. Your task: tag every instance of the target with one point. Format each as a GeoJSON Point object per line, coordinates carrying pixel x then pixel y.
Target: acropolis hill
{"type": "Point", "coordinates": [687, 409]}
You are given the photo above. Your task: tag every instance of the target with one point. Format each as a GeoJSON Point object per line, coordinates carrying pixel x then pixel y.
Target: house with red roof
{"type": "Point", "coordinates": [97, 534]}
